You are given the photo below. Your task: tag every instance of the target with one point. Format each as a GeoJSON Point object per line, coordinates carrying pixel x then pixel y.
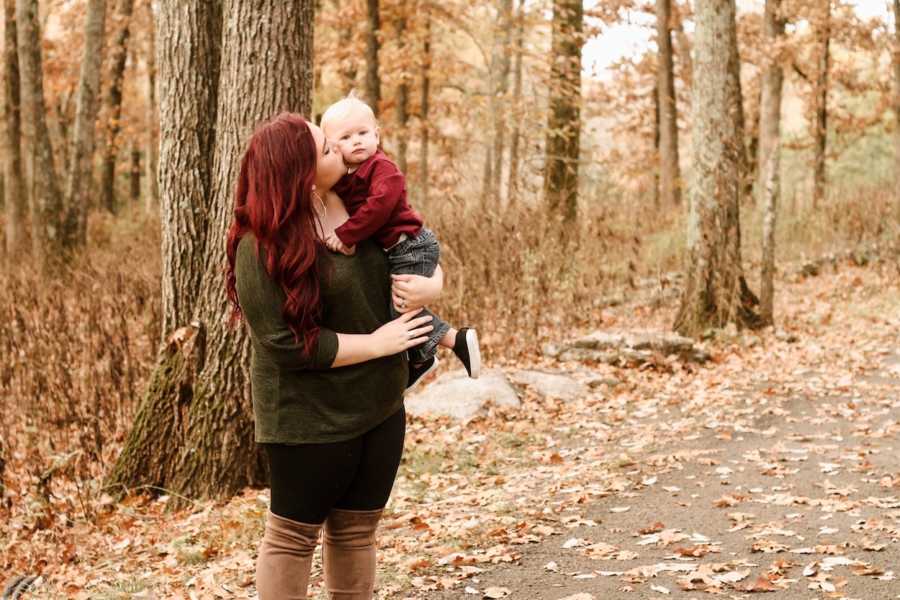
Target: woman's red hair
{"type": "Point", "coordinates": [273, 201]}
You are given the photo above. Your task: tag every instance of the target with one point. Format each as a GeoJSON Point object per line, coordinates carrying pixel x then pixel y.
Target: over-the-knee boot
{"type": "Point", "coordinates": [348, 553]}
{"type": "Point", "coordinates": [285, 558]}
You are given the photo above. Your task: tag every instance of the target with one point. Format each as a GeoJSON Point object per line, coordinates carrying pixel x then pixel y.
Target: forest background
{"type": "Point", "coordinates": [556, 191]}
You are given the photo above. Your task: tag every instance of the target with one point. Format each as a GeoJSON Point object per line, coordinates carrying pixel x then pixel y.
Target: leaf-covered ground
{"type": "Point", "coordinates": [774, 468]}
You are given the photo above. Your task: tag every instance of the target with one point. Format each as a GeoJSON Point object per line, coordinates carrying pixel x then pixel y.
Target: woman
{"type": "Point", "coordinates": [328, 369]}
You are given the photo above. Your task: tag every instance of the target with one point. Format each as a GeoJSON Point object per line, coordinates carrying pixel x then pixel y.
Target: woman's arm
{"type": "Point", "coordinates": [417, 291]}
{"type": "Point", "coordinates": [394, 337]}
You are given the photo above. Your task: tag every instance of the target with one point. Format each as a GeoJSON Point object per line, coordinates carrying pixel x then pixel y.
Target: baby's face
{"type": "Point", "coordinates": [356, 137]}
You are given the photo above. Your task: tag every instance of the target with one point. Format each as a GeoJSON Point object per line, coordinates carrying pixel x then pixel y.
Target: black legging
{"type": "Point", "coordinates": [308, 480]}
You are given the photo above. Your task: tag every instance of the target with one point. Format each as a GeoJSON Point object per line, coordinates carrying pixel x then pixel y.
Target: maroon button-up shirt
{"type": "Point", "coordinates": [375, 197]}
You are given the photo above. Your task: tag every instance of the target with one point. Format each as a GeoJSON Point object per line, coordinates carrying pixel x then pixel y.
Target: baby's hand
{"type": "Point", "coordinates": [334, 243]}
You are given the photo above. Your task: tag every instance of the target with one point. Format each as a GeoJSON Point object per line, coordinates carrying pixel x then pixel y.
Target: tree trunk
{"type": "Point", "coordinates": [151, 203]}
{"type": "Point", "coordinates": [348, 66]}
{"type": "Point", "coordinates": [770, 154]}
{"type": "Point", "coordinates": [502, 52]}
{"type": "Point", "coordinates": [820, 131]}
{"type": "Point", "coordinates": [512, 187]}
{"type": "Point", "coordinates": [402, 90]}
{"type": "Point", "coordinates": [715, 292]}
{"type": "Point", "coordinates": [425, 108]}
{"type": "Point", "coordinates": [113, 102]}
{"type": "Point", "coordinates": [683, 48]}
{"type": "Point", "coordinates": [373, 46]}
{"type": "Point", "coordinates": [564, 124]}
{"type": "Point", "coordinates": [669, 175]}
{"type": "Point", "coordinates": [188, 58]}
{"type": "Point", "coordinates": [897, 106]}
{"type": "Point", "coordinates": [656, 152]}
{"type": "Point", "coordinates": [46, 196]}
{"type": "Point", "coordinates": [134, 178]}
{"type": "Point", "coordinates": [15, 197]}
{"type": "Point", "coordinates": [81, 156]}
{"type": "Point", "coordinates": [213, 453]}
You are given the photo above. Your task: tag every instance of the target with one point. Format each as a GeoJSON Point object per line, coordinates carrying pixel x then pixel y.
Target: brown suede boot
{"type": "Point", "coordinates": [285, 558]}
{"type": "Point", "coordinates": [348, 553]}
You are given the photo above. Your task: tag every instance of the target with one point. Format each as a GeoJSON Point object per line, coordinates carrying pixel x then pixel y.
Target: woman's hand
{"type": "Point", "coordinates": [402, 333]}
{"type": "Point", "coordinates": [412, 292]}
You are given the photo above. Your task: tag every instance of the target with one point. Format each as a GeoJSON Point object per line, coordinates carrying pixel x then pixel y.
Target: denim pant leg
{"type": "Point", "coordinates": [420, 256]}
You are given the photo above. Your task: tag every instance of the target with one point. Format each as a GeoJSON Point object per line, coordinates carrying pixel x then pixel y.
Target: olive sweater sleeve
{"type": "Point", "coordinates": [262, 304]}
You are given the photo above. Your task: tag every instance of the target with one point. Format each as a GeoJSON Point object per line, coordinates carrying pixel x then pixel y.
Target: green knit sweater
{"type": "Point", "coordinates": [299, 399]}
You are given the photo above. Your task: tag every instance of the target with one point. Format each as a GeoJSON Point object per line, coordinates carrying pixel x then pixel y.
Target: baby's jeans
{"type": "Point", "coordinates": [419, 255]}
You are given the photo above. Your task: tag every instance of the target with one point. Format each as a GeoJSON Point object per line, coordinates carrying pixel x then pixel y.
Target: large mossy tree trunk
{"type": "Point", "coordinates": [193, 434]}
{"type": "Point", "coordinates": [564, 124]}
{"type": "Point", "coordinates": [715, 292]}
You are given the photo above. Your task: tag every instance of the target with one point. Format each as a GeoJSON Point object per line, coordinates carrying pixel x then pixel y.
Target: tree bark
{"type": "Point", "coordinates": [15, 197]}
{"type": "Point", "coordinates": [669, 174]}
{"type": "Point", "coordinates": [402, 89]}
{"type": "Point", "coordinates": [48, 207]}
{"type": "Point", "coordinates": [214, 454]}
{"type": "Point", "coordinates": [770, 153]}
{"type": "Point", "coordinates": [151, 203]}
{"type": "Point", "coordinates": [820, 130]}
{"type": "Point", "coordinates": [113, 102]}
{"type": "Point", "coordinates": [897, 106]}
{"type": "Point", "coordinates": [81, 155]}
{"type": "Point", "coordinates": [715, 292]}
{"type": "Point", "coordinates": [134, 176]}
{"type": "Point", "coordinates": [425, 108]}
{"type": "Point", "coordinates": [188, 57]}
{"type": "Point", "coordinates": [683, 47]}
{"type": "Point", "coordinates": [512, 187]}
{"type": "Point", "coordinates": [348, 66]}
{"type": "Point", "coordinates": [502, 54]}
{"type": "Point", "coordinates": [373, 47]}
{"type": "Point", "coordinates": [564, 124]}
{"type": "Point", "coordinates": [656, 151]}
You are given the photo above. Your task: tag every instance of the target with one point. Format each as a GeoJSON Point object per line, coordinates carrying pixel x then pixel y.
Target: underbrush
{"type": "Point", "coordinates": [76, 350]}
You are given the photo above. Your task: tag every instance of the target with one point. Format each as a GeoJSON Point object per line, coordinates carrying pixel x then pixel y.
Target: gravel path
{"type": "Point", "coordinates": [804, 503]}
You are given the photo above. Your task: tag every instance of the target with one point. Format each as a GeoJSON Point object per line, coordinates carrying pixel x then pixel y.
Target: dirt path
{"type": "Point", "coordinates": [806, 495]}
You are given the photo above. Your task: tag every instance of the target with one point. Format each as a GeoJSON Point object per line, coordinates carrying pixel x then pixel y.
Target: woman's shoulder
{"type": "Point", "coordinates": [247, 255]}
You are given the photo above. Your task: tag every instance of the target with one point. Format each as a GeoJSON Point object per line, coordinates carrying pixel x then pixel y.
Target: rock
{"type": "Point", "coordinates": [456, 395]}
{"type": "Point", "coordinates": [550, 385]}
{"type": "Point", "coordinates": [627, 348]}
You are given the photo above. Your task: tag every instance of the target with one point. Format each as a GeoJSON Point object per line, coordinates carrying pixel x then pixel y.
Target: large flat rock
{"type": "Point", "coordinates": [456, 395]}
{"type": "Point", "coordinates": [627, 347]}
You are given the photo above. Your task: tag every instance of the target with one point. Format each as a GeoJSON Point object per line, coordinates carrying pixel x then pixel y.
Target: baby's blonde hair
{"type": "Point", "coordinates": [344, 107]}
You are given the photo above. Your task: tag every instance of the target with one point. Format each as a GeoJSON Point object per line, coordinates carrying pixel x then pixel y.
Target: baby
{"type": "Point", "coordinates": [374, 192]}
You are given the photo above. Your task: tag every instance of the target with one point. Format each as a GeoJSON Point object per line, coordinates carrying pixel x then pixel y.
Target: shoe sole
{"type": "Point", "coordinates": [433, 366]}
{"type": "Point", "coordinates": [474, 353]}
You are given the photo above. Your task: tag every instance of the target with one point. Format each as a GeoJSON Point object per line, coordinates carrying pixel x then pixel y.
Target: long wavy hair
{"type": "Point", "coordinates": [274, 201]}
